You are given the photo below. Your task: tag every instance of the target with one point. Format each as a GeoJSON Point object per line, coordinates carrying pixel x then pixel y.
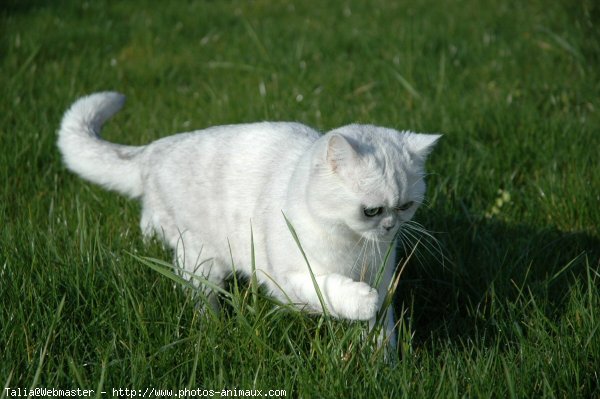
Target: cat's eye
{"type": "Point", "coordinates": [405, 206]}
{"type": "Point", "coordinates": [371, 212]}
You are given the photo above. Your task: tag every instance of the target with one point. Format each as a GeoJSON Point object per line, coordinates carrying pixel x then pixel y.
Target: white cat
{"type": "Point", "coordinates": [346, 193]}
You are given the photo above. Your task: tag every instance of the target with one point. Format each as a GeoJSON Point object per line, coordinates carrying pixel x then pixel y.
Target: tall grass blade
{"type": "Point", "coordinates": [44, 351]}
{"type": "Point", "coordinates": [166, 269]}
{"type": "Point", "coordinates": [253, 279]}
{"type": "Point", "coordinates": [312, 275]}
{"type": "Point", "coordinates": [6, 385]}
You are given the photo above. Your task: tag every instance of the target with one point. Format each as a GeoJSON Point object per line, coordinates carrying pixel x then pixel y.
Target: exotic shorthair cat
{"type": "Point", "coordinates": [346, 193]}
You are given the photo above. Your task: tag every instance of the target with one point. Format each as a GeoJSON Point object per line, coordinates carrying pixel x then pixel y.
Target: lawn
{"type": "Point", "coordinates": [505, 302]}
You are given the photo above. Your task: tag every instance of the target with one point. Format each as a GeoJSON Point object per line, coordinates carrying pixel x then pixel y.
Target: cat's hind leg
{"type": "Point", "coordinates": [199, 265]}
{"type": "Point", "coordinates": [192, 261]}
{"type": "Point", "coordinates": [155, 219]}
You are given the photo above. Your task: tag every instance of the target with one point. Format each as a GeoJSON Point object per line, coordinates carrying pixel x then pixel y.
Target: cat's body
{"type": "Point", "coordinates": [206, 193]}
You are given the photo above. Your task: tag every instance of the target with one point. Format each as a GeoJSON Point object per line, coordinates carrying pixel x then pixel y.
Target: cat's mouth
{"type": "Point", "coordinates": [382, 234]}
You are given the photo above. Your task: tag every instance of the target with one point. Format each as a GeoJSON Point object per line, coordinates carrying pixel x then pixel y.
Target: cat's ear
{"type": "Point", "coordinates": [420, 144]}
{"type": "Point", "coordinates": [339, 152]}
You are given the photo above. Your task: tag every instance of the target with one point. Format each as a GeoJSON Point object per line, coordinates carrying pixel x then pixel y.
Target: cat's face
{"type": "Point", "coordinates": [371, 179]}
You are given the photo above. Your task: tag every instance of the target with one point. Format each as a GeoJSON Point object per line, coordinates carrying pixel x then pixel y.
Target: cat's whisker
{"type": "Point", "coordinates": [372, 256]}
{"type": "Point", "coordinates": [430, 243]}
{"type": "Point", "coordinates": [424, 202]}
{"type": "Point", "coordinates": [364, 259]}
{"type": "Point", "coordinates": [368, 256]}
{"type": "Point", "coordinates": [416, 226]}
{"type": "Point", "coordinates": [419, 180]}
{"type": "Point", "coordinates": [414, 243]}
{"type": "Point", "coordinates": [410, 244]}
{"type": "Point", "coordinates": [404, 245]}
{"type": "Point", "coordinates": [380, 256]}
{"type": "Point", "coordinates": [360, 258]}
{"type": "Point", "coordinates": [377, 256]}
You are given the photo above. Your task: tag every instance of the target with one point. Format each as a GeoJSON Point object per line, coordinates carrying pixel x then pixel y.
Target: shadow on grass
{"type": "Point", "coordinates": [489, 268]}
{"type": "Point", "coordinates": [12, 7]}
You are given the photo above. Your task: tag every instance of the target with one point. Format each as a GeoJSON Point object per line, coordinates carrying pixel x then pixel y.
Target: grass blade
{"type": "Point", "coordinates": [253, 280]}
{"type": "Point", "coordinates": [44, 352]}
{"type": "Point", "coordinates": [166, 269]}
{"type": "Point", "coordinates": [312, 275]}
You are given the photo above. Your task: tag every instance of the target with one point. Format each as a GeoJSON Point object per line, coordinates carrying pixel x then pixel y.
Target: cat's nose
{"type": "Point", "coordinates": [388, 224]}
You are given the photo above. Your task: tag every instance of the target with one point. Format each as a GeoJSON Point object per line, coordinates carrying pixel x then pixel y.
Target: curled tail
{"type": "Point", "coordinates": [113, 166]}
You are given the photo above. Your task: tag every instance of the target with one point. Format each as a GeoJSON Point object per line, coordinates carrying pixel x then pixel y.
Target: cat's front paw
{"type": "Point", "coordinates": [357, 301]}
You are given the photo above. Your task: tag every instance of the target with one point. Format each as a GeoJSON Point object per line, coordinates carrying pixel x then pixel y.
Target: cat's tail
{"type": "Point", "coordinates": [113, 166]}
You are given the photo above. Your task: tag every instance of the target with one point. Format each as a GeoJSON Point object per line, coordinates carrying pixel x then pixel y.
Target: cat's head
{"type": "Point", "coordinates": [369, 179]}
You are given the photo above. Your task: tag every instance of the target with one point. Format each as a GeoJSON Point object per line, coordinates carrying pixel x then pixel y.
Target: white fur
{"type": "Point", "coordinates": [204, 191]}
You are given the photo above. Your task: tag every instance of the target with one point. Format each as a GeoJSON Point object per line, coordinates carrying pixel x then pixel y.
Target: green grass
{"type": "Point", "coordinates": [512, 309]}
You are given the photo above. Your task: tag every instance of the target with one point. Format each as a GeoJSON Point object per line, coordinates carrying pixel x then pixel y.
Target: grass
{"type": "Point", "coordinates": [512, 308]}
